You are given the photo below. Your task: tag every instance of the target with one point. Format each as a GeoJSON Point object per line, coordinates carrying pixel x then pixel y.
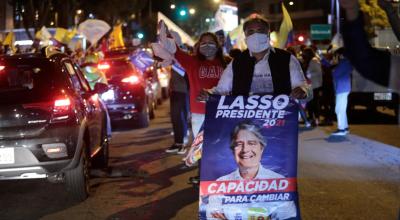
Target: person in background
{"type": "Point", "coordinates": [342, 83]}
{"type": "Point", "coordinates": [1, 49]}
{"type": "Point", "coordinates": [17, 49]}
{"type": "Point", "coordinates": [92, 74]}
{"type": "Point", "coordinates": [377, 65]}
{"type": "Point", "coordinates": [313, 71]}
{"type": "Point", "coordinates": [327, 100]}
{"type": "Point", "coordinates": [178, 108]}
{"type": "Point", "coordinates": [222, 41]}
{"type": "Point", "coordinates": [302, 104]}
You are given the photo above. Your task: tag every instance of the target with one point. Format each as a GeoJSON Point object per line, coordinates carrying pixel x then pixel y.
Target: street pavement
{"type": "Point", "coordinates": [352, 177]}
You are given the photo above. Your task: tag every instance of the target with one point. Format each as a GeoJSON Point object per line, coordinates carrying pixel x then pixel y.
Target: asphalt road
{"type": "Point", "coordinates": [357, 177]}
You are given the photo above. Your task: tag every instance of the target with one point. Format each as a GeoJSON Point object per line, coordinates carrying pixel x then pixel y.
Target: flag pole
{"type": "Point", "coordinates": [337, 16]}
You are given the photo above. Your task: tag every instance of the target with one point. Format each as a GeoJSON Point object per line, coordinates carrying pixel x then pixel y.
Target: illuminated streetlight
{"type": "Point", "coordinates": [208, 20]}
{"type": "Point", "coordinates": [192, 11]}
{"type": "Point", "coordinates": [300, 38]}
{"type": "Point", "coordinates": [217, 1]}
{"type": "Point", "coordinates": [79, 11]}
{"type": "Point", "coordinates": [182, 12]}
{"type": "Point", "coordinates": [172, 6]}
{"type": "Point", "coordinates": [291, 3]}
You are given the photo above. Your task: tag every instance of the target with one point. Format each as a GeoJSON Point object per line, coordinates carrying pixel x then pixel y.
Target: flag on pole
{"type": "Point", "coordinates": [285, 28]}
{"type": "Point", "coordinates": [9, 39]}
{"type": "Point", "coordinates": [43, 35]}
{"type": "Point", "coordinates": [116, 39]}
{"type": "Point", "coordinates": [60, 34]}
{"type": "Point", "coordinates": [70, 34]}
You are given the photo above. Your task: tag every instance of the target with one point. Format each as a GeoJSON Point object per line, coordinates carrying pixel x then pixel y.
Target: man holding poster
{"type": "Point", "coordinates": [249, 163]}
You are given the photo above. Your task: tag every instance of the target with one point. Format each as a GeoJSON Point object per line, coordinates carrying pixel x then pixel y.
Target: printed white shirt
{"type": "Point", "coordinates": [262, 79]}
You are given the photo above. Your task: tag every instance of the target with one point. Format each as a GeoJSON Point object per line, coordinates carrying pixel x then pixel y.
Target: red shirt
{"type": "Point", "coordinates": [202, 74]}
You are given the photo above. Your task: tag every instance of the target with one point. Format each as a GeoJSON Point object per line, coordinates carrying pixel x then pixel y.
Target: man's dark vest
{"type": "Point", "coordinates": [243, 69]}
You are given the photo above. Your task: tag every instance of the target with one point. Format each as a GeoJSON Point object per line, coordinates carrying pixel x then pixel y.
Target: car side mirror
{"type": "Point", "coordinates": [100, 88]}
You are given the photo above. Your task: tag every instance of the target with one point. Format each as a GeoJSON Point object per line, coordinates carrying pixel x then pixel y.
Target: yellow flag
{"type": "Point", "coordinates": [285, 28]}
{"type": "Point", "coordinates": [9, 40]}
{"type": "Point", "coordinates": [60, 34]}
{"type": "Point", "coordinates": [116, 39]}
{"type": "Point", "coordinates": [71, 34]}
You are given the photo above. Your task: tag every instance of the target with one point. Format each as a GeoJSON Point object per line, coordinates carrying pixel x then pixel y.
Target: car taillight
{"type": "Point", "coordinates": [2, 68]}
{"type": "Point", "coordinates": [131, 80]}
{"type": "Point", "coordinates": [103, 66]}
{"type": "Point", "coordinates": [61, 109]}
{"type": "Point", "coordinates": [62, 103]}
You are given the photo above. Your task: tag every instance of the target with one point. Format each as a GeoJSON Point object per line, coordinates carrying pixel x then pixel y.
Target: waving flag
{"type": "Point", "coordinates": [60, 34]}
{"type": "Point", "coordinates": [93, 29]}
{"type": "Point", "coordinates": [9, 39]}
{"type": "Point", "coordinates": [116, 39]}
{"type": "Point", "coordinates": [285, 29]}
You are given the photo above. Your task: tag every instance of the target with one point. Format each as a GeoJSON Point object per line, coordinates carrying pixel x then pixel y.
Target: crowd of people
{"type": "Point", "coordinates": [319, 81]}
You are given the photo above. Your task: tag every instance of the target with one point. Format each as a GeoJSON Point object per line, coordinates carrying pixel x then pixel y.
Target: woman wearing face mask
{"type": "Point", "coordinates": [203, 68]}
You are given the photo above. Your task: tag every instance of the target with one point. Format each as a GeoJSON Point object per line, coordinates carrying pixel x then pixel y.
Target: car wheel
{"type": "Point", "coordinates": [77, 180]}
{"type": "Point", "coordinates": [101, 158]}
{"type": "Point", "coordinates": [144, 118]}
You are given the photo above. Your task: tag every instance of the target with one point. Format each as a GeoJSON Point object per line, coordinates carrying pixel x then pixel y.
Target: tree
{"type": "Point", "coordinates": [36, 14]}
{"type": "Point", "coordinates": [112, 11]}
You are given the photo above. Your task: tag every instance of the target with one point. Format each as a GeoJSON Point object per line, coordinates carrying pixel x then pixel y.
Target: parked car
{"type": "Point", "coordinates": [130, 100]}
{"type": "Point", "coordinates": [52, 125]}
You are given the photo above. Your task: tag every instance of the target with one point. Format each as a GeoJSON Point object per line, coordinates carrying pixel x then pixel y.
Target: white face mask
{"type": "Point", "coordinates": [258, 42]}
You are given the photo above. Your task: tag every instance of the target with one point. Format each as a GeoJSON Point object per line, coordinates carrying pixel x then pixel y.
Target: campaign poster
{"type": "Point", "coordinates": [249, 160]}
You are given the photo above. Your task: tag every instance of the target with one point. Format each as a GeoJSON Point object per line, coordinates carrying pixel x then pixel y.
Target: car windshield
{"type": "Point", "coordinates": [26, 80]}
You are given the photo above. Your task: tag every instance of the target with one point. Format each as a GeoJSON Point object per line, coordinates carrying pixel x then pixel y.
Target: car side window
{"type": "Point", "coordinates": [82, 78]}
{"type": "Point", "coordinates": [73, 76]}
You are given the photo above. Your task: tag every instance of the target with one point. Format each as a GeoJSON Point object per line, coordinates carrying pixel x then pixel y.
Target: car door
{"type": "Point", "coordinates": [89, 103]}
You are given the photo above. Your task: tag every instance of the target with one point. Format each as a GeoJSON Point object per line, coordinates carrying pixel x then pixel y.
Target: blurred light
{"type": "Point", "coordinates": [91, 15]}
{"type": "Point", "coordinates": [103, 66]}
{"type": "Point", "coordinates": [79, 11]}
{"type": "Point", "coordinates": [109, 95]}
{"type": "Point", "coordinates": [172, 6]}
{"type": "Point", "coordinates": [300, 38]}
{"type": "Point", "coordinates": [217, 1]}
{"type": "Point", "coordinates": [133, 16]}
{"type": "Point", "coordinates": [192, 11]}
{"type": "Point", "coordinates": [208, 20]}
{"type": "Point", "coordinates": [140, 35]}
{"type": "Point", "coordinates": [52, 23]}
{"type": "Point", "coordinates": [2, 68]}
{"type": "Point", "coordinates": [23, 42]}
{"type": "Point", "coordinates": [291, 3]}
{"type": "Point", "coordinates": [131, 79]}
{"type": "Point", "coordinates": [182, 12]}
